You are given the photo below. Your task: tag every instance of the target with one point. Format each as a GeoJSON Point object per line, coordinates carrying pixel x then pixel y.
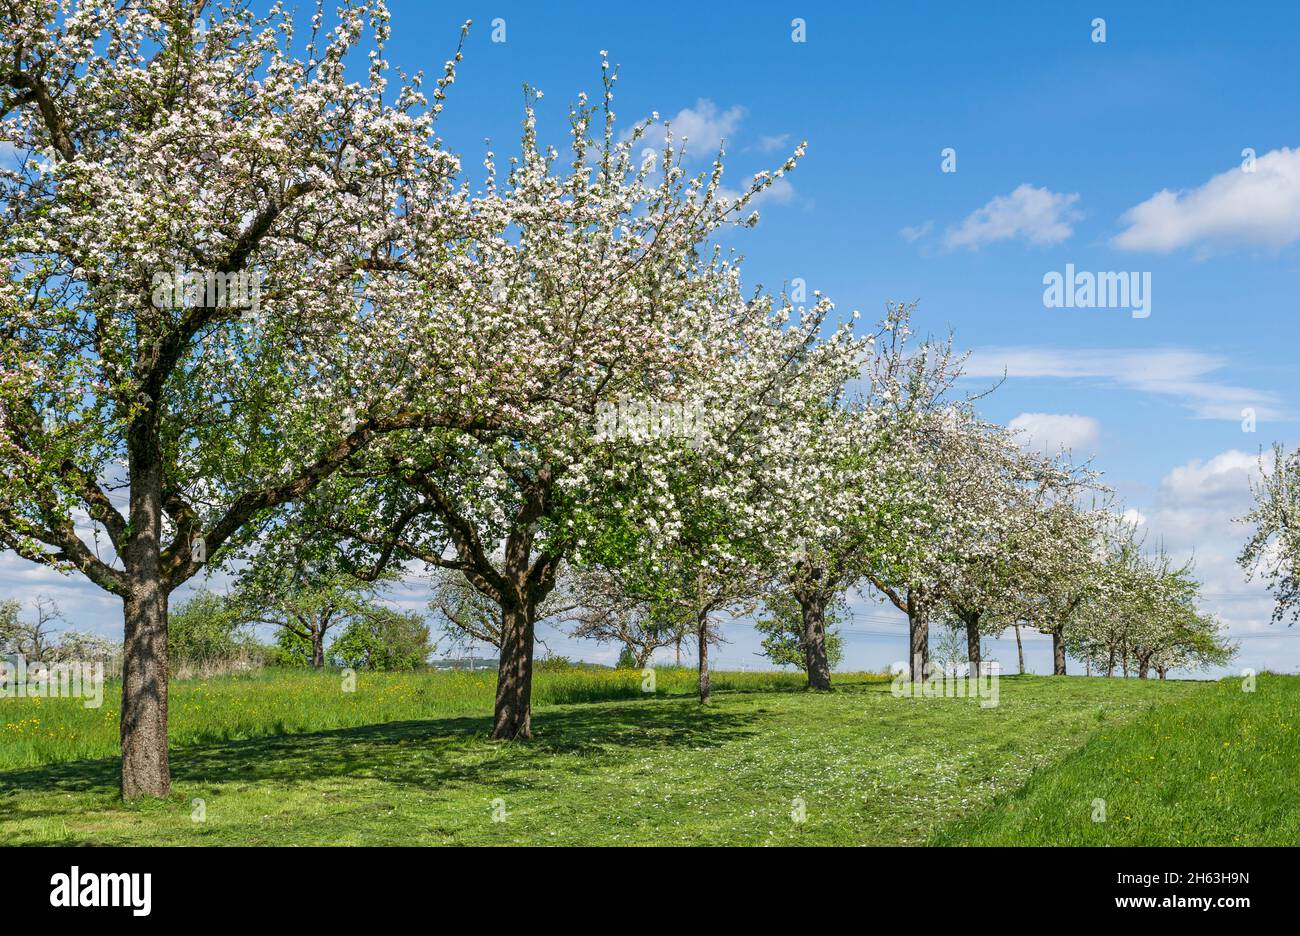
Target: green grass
{"type": "Point", "coordinates": [288, 759]}
{"type": "Point", "coordinates": [277, 702]}
{"type": "Point", "coordinates": [1220, 767]}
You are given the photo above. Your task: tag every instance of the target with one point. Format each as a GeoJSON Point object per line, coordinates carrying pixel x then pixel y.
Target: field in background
{"type": "Point", "coordinates": [288, 701]}
{"type": "Point", "coordinates": [290, 759]}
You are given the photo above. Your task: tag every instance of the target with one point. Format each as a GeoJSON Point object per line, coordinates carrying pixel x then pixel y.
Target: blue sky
{"type": "Point", "coordinates": [1058, 140]}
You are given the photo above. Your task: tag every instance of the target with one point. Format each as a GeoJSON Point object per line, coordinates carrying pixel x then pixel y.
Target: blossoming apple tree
{"type": "Point", "coordinates": [1274, 545]}
{"type": "Point", "coordinates": [921, 439]}
{"type": "Point", "coordinates": [1005, 551]}
{"type": "Point", "coordinates": [1066, 570]}
{"type": "Point", "coordinates": [823, 495]}
{"type": "Point", "coordinates": [834, 489]}
{"type": "Point", "coordinates": [219, 260]}
{"type": "Point", "coordinates": [589, 287]}
{"type": "Point", "coordinates": [1144, 617]}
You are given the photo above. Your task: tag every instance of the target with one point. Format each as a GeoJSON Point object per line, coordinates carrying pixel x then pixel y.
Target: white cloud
{"type": "Point", "coordinates": [705, 127]}
{"type": "Point", "coordinates": [1260, 207]}
{"type": "Point", "coordinates": [1178, 373]}
{"type": "Point", "coordinates": [775, 142]}
{"type": "Point", "coordinates": [912, 234]}
{"type": "Point", "coordinates": [1054, 432]}
{"type": "Point", "coordinates": [1033, 214]}
{"type": "Point", "coordinates": [1133, 518]}
{"type": "Point", "coordinates": [1224, 478]}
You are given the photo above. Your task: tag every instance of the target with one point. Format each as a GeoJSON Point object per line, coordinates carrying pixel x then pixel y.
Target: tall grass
{"type": "Point", "coordinates": [274, 701]}
{"type": "Point", "coordinates": [1220, 767]}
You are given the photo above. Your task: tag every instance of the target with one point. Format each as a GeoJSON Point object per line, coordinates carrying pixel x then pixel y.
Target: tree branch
{"type": "Point", "coordinates": [178, 563]}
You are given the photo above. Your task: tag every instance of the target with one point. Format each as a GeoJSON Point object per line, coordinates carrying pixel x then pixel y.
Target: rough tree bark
{"type": "Point", "coordinates": [918, 624]}
{"type": "Point", "coordinates": [1020, 650]}
{"type": "Point", "coordinates": [702, 629]}
{"type": "Point", "coordinates": [512, 718]}
{"type": "Point", "coordinates": [816, 664]}
{"type": "Point", "coordinates": [318, 648]}
{"type": "Point", "coordinates": [145, 767]}
{"type": "Point", "coordinates": [1058, 653]}
{"type": "Point", "coordinates": [972, 621]}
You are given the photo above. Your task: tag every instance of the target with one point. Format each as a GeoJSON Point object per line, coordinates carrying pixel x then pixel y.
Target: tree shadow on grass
{"type": "Point", "coordinates": [427, 753]}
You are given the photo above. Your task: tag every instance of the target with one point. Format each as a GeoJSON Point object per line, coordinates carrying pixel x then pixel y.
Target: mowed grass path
{"type": "Point", "coordinates": [1217, 768]}
{"type": "Point", "coordinates": [867, 767]}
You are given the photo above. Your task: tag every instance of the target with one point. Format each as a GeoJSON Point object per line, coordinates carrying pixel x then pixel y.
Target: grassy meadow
{"type": "Point", "coordinates": [288, 758]}
{"type": "Point", "coordinates": [291, 701]}
{"type": "Point", "coordinates": [1221, 767]}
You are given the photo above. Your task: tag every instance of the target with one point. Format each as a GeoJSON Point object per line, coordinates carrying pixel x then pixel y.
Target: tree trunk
{"type": "Point", "coordinates": [814, 641]}
{"type": "Point", "coordinates": [145, 767]}
{"type": "Point", "coordinates": [1058, 653]}
{"type": "Point", "coordinates": [1162, 670]}
{"type": "Point", "coordinates": [973, 642]}
{"type": "Point", "coordinates": [1110, 663]}
{"type": "Point", "coordinates": [918, 625]}
{"type": "Point", "coordinates": [512, 720]}
{"type": "Point", "coordinates": [702, 627]}
{"type": "Point", "coordinates": [318, 649]}
{"type": "Point", "coordinates": [1020, 650]}
{"type": "Point", "coordinates": [1144, 666]}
